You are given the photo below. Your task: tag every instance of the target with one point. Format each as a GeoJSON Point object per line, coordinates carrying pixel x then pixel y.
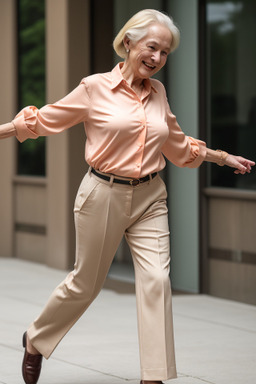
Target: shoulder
{"type": "Point", "coordinates": [97, 84]}
{"type": "Point", "coordinates": [159, 87]}
{"type": "Point", "coordinates": [159, 91]}
{"type": "Point", "coordinates": [96, 79]}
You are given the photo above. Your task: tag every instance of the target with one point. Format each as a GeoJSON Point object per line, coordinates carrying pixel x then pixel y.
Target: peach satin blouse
{"type": "Point", "coordinates": [126, 135]}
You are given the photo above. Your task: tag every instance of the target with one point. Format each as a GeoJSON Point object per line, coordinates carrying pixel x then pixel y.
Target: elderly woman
{"type": "Point", "coordinates": [129, 127]}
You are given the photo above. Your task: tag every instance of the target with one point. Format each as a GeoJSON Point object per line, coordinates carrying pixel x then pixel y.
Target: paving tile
{"type": "Point", "coordinates": [215, 339]}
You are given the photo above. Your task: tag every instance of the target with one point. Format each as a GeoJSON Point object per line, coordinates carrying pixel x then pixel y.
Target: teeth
{"type": "Point", "coordinates": [150, 66]}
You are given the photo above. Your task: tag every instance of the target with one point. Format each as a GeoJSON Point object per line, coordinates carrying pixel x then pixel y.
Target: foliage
{"type": "Point", "coordinates": [31, 70]}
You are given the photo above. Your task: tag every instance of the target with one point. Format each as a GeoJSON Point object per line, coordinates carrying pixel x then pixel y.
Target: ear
{"type": "Point", "coordinates": [126, 42]}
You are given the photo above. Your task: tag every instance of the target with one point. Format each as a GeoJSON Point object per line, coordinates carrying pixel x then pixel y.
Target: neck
{"type": "Point", "coordinates": [132, 80]}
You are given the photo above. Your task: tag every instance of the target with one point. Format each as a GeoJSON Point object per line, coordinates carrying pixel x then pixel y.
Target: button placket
{"type": "Point", "coordinates": [141, 140]}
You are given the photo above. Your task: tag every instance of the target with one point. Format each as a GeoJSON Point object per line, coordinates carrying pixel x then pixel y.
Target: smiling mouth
{"type": "Point", "coordinates": [149, 66]}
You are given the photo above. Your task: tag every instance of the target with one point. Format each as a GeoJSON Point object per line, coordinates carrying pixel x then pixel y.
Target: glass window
{"type": "Point", "coordinates": [31, 78]}
{"type": "Point", "coordinates": [231, 85]}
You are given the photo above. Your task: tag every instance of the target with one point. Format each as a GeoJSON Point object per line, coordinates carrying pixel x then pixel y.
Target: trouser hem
{"type": "Point", "coordinates": [159, 374]}
{"type": "Point", "coordinates": [42, 348]}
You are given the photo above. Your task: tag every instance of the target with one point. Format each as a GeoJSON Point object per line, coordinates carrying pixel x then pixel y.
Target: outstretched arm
{"type": "Point", "coordinates": [219, 157]}
{"type": "Point", "coordinates": [30, 122]}
{"type": "Point", "coordinates": [7, 130]}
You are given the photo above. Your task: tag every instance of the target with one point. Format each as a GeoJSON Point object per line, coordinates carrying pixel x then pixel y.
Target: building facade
{"type": "Point", "coordinates": [211, 89]}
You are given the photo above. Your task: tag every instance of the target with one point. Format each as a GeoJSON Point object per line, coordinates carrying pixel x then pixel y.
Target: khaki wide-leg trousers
{"type": "Point", "coordinates": [104, 212]}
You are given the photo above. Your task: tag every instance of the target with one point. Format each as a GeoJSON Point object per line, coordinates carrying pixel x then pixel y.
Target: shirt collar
{"type": "Point", "coordinates": [117, 78]}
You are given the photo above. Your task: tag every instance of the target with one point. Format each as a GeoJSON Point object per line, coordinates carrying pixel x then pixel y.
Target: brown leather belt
{"type": "Point", "coordinates": [132, 182]}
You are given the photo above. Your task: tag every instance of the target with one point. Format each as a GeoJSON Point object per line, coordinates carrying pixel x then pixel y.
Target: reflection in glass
{"type": "Point", "coordinates": [31, 74]}
{"type": "Point", "coordinates": [231, 63]}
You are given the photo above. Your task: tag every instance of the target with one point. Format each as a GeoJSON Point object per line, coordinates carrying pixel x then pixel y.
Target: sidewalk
{"type": "Point", "coordinates": [215, 339]}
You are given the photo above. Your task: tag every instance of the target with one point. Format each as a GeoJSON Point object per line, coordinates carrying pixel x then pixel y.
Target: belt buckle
{"type": "Point", "coordinates": [134, 182]}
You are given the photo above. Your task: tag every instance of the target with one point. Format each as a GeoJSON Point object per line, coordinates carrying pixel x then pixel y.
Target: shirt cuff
{"type": "Point", "coordinates": [25, 119]}
{"type": "Point", "coordinates": [198, 149]}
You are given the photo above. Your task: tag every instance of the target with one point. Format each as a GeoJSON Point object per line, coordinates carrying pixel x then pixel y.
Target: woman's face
{"type": "Point", "coordinates": [148, 55]}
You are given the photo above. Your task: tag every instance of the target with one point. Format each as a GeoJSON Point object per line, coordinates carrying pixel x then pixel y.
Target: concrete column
{"type": "Point", "coordinates": [68, 60]}
{"type": "Point", "coordinates": [7, 112]}
{"type": "Point", "coordinates": [183, 183]}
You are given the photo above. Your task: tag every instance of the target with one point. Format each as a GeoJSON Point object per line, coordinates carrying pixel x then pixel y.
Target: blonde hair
{"type": "Point", "coordinates": [137, 27]}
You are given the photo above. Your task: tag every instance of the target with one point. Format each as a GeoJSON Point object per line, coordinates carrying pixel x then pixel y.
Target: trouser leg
{"type": "Point", "coordinates": [98, 234]}
{"type": "Point", "coordinates": [102, 214]}
{"type": "Point", "coordinates": [149, 242]}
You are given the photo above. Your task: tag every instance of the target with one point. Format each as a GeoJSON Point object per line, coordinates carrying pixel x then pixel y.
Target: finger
{"type": "Point", "coordinates": [240, 171]}
{"type": "Point", "coordinates": [248, 164]}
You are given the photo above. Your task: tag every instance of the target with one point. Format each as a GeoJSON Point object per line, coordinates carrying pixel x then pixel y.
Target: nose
{"type": "Point", "coordinates": [156, 57]}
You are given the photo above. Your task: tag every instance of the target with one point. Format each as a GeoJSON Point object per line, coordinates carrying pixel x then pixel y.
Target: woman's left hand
{"type": "Point", "coordinates": [241, 164]}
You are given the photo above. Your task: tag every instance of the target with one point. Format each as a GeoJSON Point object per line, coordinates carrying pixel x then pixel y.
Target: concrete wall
{"type": "Point", "coordinates": [232, 244]}
{"type": "Point", "coordinates": [30, 218]}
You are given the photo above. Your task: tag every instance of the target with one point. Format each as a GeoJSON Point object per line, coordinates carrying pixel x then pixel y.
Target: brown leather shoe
{"type": "Point", "coordinates": [160, 382]}
{"type": "Point", "coordinates": [31, 366]}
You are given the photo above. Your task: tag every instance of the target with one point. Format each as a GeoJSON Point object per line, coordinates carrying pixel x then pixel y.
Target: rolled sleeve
{"type": "Point", "coordinates": [25, 122]}
{"type": "Point", "coordinates": [198, 153]}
